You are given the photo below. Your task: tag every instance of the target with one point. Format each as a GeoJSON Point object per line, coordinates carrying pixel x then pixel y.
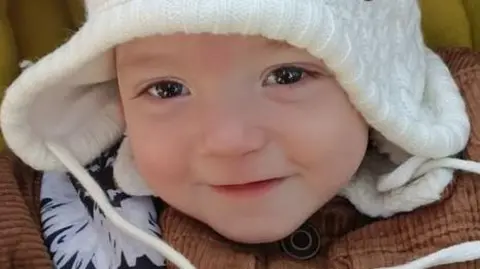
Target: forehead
{"type": "Point", "coordinates": [155, 46]}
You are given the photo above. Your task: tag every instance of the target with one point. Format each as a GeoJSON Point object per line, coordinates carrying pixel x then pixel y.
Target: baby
{"type": "Point", "coordinates": [244, 134]}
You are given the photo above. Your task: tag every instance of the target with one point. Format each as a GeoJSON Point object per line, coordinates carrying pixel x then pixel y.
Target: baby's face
{"type": "Point", "coordinates": [244, 134]}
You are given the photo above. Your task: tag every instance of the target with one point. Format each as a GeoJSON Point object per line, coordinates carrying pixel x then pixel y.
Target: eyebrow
{"type": "Point", "coordinates": [277, 44]}
{"type": "Point", "coordinates": [142, 59]}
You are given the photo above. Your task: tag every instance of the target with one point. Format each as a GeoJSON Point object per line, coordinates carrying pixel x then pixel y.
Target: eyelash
{"type": "Point", "coordinates": [282, 71]}
{"type": "Point", "coordinates": [164, 94]}
{"type": "Point", "coordinates": [274, 77]}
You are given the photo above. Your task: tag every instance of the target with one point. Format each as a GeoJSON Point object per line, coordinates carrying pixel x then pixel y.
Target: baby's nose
{"type": "Point", "coordinates": [231, 131]}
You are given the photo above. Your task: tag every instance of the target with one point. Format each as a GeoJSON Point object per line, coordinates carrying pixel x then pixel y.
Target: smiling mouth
{"type": "Point", "coordinates": [249, 189]}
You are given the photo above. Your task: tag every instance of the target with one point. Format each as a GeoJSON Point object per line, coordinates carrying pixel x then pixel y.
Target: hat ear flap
{"type": "Point", "coordinates": [125, 173]}
{"type": "Point", "coordinates": [395, 153]}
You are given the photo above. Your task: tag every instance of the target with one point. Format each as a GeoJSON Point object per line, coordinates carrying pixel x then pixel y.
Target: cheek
{"type": "Point", "coordinates": [330, 140]}
{"type": "Point", "coordinates": [345, 148]}
{"type": "Point", "coordinates": [160, 150]}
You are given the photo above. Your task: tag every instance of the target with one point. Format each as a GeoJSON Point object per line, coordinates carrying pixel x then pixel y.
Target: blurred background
{"type": "Point", "coordinates": [29, 29]}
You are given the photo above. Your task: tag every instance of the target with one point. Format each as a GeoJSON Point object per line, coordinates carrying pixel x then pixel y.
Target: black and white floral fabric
{"type": "Point", "coordinates": [77, 233]}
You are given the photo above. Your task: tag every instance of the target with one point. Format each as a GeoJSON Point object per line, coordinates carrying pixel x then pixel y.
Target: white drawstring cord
{"type": "Point", "coordinates": [452, 163]}
{"type": "Point", "coordinates": [101, 199]}
{"type": "Point", "coordinates": [414, 168]}
{"type": "Point", "coordinates": [401, 175]}
{"type": "Point", "coordinates": [463, 252]}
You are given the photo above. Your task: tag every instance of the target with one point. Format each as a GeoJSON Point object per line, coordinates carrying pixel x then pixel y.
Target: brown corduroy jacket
{"type": "Point", "coordinates": [347, 238]}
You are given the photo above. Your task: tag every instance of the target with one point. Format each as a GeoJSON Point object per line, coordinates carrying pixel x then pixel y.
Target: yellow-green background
{"type": "Point", "coordinates": [31, 28]}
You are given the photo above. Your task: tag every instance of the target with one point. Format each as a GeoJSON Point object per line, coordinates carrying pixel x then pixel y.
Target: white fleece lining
{"type": "Point", "coordinates": [125, 173]}
{"type": "Point", "coordinates": [68, 117]}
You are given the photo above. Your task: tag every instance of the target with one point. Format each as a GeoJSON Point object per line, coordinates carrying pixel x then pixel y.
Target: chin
{"type": "Point", "coordinates": [256, 234]}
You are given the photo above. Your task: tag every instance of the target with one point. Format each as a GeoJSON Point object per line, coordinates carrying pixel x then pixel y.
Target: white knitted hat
{"type": "Point", "coordinates": [63, 111]}
{"type": "Point", "coordinates": [375, 48]}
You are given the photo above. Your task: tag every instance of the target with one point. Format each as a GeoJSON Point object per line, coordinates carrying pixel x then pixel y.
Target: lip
{"type": "Point", "coordinates": [249, 189]}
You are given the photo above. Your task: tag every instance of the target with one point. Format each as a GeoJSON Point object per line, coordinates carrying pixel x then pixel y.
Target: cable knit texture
{"type": "Point", "coordinates": [375, 48]}
{"type": "Point", "coordinates": [348, 238]}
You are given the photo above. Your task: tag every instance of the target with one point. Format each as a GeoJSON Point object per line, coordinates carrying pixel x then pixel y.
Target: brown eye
{"type": "Point", "coordinates": [285, 76]}
{"type": "Point", "coordinates": [166, 89]}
